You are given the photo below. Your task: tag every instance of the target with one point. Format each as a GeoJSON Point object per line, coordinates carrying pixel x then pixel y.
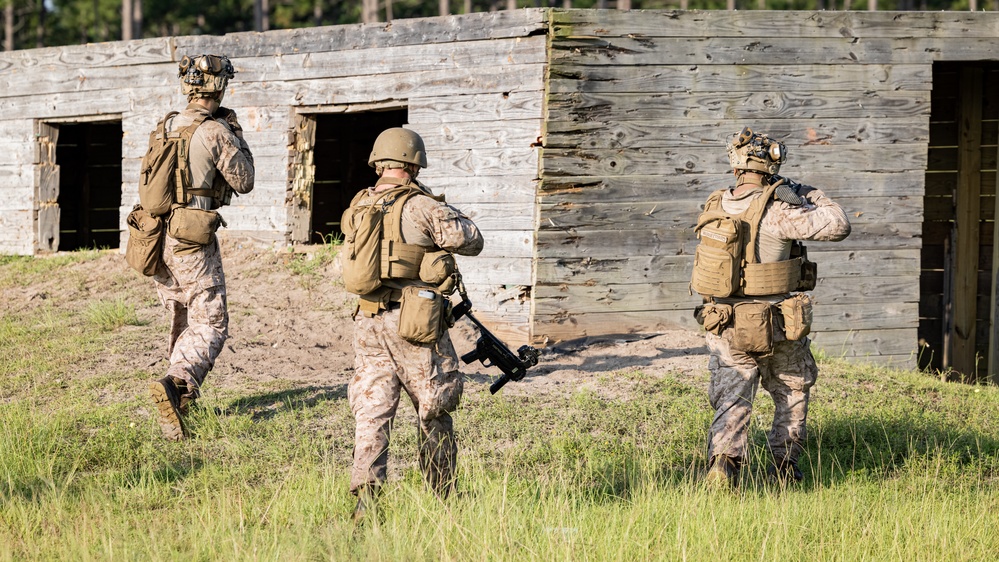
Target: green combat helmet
{"type": "Point", "coordinates": [204, 75]}
{"type": "Point", "coordinates": [399, 145]}
{"type": "Point", "coordinates": [756, 152]}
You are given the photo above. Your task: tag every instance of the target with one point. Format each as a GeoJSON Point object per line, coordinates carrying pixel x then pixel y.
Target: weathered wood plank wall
{"type": "Point", "coordinates": [639, 108]}
{"type": "Point", "coordinates": [473, 86]}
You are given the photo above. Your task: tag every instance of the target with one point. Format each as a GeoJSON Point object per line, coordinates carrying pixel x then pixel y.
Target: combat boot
{"type": "Point", "coordinates": [167, 398]}
{"type": "Point", "coordinates": [367, 500]}
{"type": "Point", "coordinates": [723, 473]}
{"type": "Point", "coordinates": [784, 472]}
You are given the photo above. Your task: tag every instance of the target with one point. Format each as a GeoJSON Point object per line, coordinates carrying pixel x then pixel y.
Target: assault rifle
{"type": "Point", "coordinates": [489, 350]}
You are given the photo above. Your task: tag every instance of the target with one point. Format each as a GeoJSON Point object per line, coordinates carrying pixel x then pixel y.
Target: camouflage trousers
{"type": "Point", "coordinates": [787, 375]}
{"type": "Point", "coordinates": [192, 288]}
{"type": "Point", "coordinates": [384, 366]}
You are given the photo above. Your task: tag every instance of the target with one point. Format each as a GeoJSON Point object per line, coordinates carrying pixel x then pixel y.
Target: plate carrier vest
{"type": "Point", "coordinates": [725, 261]}
{"type": "Point", "coordinates": [372, 226]}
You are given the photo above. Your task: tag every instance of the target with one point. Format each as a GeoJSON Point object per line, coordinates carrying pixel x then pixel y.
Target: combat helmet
{"type": "Point", "coordinates": [399, 145]}
{"type": "Point", "coordinates": [757, 152]}
{"type": "Point", "coordinates": [203, 75]}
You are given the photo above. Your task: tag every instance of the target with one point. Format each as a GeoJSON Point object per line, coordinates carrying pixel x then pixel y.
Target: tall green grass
{"type": "Point", "coordinates": [899, 466]}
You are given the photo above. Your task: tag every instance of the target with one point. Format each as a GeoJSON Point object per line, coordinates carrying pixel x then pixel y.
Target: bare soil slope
{"type": "Point", "coordinates": [290, 326]}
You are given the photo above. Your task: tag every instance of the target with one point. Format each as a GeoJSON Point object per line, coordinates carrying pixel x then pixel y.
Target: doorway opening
{"type": "Point", "coordinates": [79, 185]}
{"type": "Point", "coordinates": [340, 144]}
{"type": "Point", "coordinates": [958, 304]}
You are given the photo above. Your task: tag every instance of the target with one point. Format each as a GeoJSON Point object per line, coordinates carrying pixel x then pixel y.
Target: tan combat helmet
{"type": "Point", "coordinates": [399, 145]}
{"type": "Point", "coordinates": [204, 75]}
{"type": "Point", "coordinates": [756, 152]}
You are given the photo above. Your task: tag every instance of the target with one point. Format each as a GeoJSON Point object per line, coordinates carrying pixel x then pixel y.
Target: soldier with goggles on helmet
{"type": "Point", "coordinates": [751, 269]}
{"type": "Point", "coordinates": [213, 162]}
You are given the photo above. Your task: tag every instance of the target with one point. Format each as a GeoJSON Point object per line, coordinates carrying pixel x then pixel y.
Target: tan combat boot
{"type": "Point", "coordinates": [723, 473]}
{"type": "Point", "coordinates": [167, 398]}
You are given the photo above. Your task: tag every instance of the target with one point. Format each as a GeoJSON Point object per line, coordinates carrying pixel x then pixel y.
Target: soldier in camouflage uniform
{"type": "Point", "coordinates": [190, 281]}
{"type": "Point", "coordinates": [788, 371]}
{"type": "Point", "coordinates": [385, 363]}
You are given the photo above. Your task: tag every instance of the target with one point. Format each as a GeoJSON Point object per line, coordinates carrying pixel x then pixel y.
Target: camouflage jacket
{"type": "Point", "coordinates": [819, 218]}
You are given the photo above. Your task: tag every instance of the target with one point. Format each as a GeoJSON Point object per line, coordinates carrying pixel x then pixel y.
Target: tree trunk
{"type": "Point", "coordinates": [261, 15]}
{"type": "Point", "coordinates": [512, 4]}
{"type": "Point", "coordinates": [388, 10]}
{"type": "Point", "coordinates": [369, 11]}
{"type": "Point", "coordinates": [444, 7]}
{"type": "Point", "coordinates": [8, 26]}
{"type": "Point", "coordinates": [872, 5]}
{"type": "Point", "coordinates": [623, 4]}
{"type": "Point", "coordinates": [317, 13]}
{"type": "Point", "coordinates": [40, 26]}
{"type": "Point", "coordinates": [467, 9]}
{"type": "Point", "coordinates": [126, 20]}
{"type": "Point", "coordinates": [136, 19]}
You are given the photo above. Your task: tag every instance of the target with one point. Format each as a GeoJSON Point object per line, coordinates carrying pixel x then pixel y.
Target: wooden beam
{"type": "Point", "coordinates": [994, 305]}
{"type": "Point", "coordinates": [965, 286]}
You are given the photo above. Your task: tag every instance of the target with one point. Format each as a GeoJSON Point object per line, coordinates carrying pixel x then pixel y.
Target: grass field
{"type": "Point", "coordinates": [900, 466]}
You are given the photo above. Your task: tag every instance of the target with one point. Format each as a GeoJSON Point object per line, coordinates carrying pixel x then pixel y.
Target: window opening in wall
{"type": "Point", "coordinates": [89, 202]}
{"type": "Point", "coordinates": [340, 155]}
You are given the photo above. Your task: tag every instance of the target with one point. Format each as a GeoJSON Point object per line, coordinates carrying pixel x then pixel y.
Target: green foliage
{"type": "Point", "coordinates": [23, 271]}
{"type": "Point", "coordinates": [311, 266]}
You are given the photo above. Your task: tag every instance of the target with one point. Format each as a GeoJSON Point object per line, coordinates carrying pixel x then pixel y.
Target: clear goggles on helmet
{"type": "Point", "coordinates": [207, 64]}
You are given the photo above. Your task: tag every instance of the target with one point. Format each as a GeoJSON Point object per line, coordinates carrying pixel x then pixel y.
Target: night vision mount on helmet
{"type": "Point", "coordinates": [756, 152]}
{"type": "Point", "coordinates": [204, 74]}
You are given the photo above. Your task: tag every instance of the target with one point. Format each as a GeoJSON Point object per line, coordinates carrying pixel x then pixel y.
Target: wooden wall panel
{"type": "Point", "coordinates": [640, 106]}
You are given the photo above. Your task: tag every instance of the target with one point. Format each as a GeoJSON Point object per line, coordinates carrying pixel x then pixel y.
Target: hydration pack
{"type": "Point", "coordinates": [373, 246]}
{"type": "Point", "coordinates": [165, 175]}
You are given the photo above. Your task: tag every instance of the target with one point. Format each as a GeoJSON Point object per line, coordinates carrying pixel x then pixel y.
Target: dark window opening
{"type": "Point", "coordinates": [89, 160]}
{"type": "Point", "coordinates": [956, 261]}
{"type": "Point", "coordinates": [340, 153]}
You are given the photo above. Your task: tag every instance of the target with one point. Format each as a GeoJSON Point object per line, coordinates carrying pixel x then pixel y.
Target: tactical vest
{"type": "Point", "coordinates": [372, 228]}
{"type": "Point", "coordinates": [725, 261]}
{"type": "Point", "coordinates": [166, 175]}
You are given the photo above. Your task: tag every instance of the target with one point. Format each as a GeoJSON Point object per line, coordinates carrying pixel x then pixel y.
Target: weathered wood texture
{"type": "Point", "coordinates": [473, 85]}
{"type": "Point", "coordinates": [640, 107]}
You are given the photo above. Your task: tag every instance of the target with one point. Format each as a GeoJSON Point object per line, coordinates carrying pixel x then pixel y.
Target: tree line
{"type": "Point", "coordinates": [42, 23]}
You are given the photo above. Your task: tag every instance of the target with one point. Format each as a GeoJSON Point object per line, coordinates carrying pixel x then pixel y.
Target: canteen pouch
{"type": "Point", "coordinates": [144, 251]}
{"type": "Point", "coordinates": [713, 317]}
{"type": "Point", "coordinates": [753, 327]}
{"type": "Point", "coordinates": [436, 267]}
{"type": "Point", "coordinates": [421, 314]}
{"type": "Point", "coordinates": [797, 312]}
{"type": "Point", "coordinates": [193, 226]}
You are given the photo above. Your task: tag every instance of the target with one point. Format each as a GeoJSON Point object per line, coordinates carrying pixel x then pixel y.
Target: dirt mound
{"type": "Point", "coordinates": [290, 327]}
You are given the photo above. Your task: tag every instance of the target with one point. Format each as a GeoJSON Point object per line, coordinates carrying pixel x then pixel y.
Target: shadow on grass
{"type": "Point", "coordinates": [884, 446]}
{"type": "Point", "coordinates": [266, 405]}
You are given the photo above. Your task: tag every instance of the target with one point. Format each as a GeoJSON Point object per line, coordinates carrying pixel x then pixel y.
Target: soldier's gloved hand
{"type": "Point", "coordinates": [229, 116]}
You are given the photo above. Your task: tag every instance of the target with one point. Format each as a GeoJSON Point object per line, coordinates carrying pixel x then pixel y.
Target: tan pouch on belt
{"type": "Point", "coordinates": [193, 226]}
{"type": "Point", "coordinates": [754, 327]}
{"type": "Point", "coordinates": [420, 314]}
{"type": "Point", "coordinates": [797, 312]}
{"type": "Point", "coordinates": [714, 317]}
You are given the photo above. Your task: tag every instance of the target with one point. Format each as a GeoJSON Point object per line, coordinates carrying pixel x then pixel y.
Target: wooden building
{"type": "Point", "coordinates": [583, 142]}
